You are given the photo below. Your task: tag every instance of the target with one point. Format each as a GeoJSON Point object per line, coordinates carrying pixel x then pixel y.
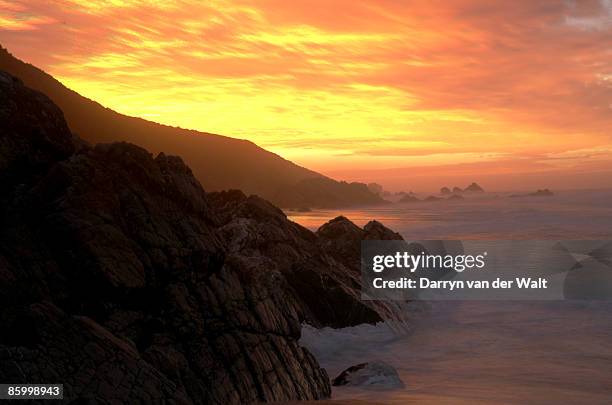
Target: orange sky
{"type": "Point", "coordinates": [409, 94]}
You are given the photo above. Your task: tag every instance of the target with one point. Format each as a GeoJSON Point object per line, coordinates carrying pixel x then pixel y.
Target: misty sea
{"type": "Point", "coordinates": [483, 352]}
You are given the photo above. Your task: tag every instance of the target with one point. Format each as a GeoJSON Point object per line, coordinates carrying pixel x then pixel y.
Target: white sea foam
{"type": "Point", "coordinates": [336, 347]}
{"type": "Point", "coordinates": [501, 352]}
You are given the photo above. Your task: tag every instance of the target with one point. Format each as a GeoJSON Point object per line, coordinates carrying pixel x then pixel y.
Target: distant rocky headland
{"type": "Point", "coordinates": [218, 162]}
{"type": "Point", "coordinates": [323, 192]}
{"type": "Point", "coordinates": [123, 279]}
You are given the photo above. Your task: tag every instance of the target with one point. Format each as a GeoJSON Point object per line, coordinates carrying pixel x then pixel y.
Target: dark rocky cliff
{"type": "Point", "coordinates": [121, 278]}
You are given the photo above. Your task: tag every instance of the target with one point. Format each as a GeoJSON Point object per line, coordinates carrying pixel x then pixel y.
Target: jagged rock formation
{"type": "Point", "coordinates": [218, 162]}
{"type": "Point", "coordinates": [322, 269]}
{"type": "Point", "coordinates": [433, 198]}
{"type": "Point", "coordinates": [114, 279]}
{"type": "Point", "coordinates": [342, 239]}
{"type": "Point", "coordinates": [123, 279]}
{"type": "Point", "coordinates": [474, 188]}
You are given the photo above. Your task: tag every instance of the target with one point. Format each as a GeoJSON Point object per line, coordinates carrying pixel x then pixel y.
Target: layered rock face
{"type": "Point", "coordinates": [115, 281]}
{"type": "Point", "coordinates": [322, 269]}
{"type": "Point", "coordinates": [122, 279]}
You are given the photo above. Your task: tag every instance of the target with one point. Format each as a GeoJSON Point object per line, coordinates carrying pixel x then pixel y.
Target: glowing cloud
{"type": "Point", "coordinates": [347, 88]}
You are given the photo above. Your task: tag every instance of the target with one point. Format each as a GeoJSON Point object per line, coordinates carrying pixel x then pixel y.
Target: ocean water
{"type": "Point", "coordinates": [555, 352]}
{"type": "Point", "coordinates": [566, 215]}
{"type": "Point", "coordinates": [483, 352]}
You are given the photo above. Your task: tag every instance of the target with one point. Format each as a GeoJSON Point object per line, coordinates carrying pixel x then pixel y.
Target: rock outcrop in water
{"type": "Point", "coordinates": [325, 287]}
{"type": "Point", "coordinates": [373, 375]}
{"type": "Point", "coordinates": [121, 278]}
{"type": "Point", "coordinates": [341, 239]}
{"type": "Point", "coordinates": [473, 188]}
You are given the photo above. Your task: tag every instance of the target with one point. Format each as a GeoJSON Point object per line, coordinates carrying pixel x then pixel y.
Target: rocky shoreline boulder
{"type": "Point", "coordinates": [322, 269]}
{"type": "Point", "coordinates": [371, 375]}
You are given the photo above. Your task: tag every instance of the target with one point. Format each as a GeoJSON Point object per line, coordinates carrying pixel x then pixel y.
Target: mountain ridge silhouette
{"type": "Point", "coordinates": [219, 162]}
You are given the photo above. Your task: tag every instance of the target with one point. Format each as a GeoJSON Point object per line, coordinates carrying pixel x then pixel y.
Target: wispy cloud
{"type": "Point", "coordinates": [345, 84]}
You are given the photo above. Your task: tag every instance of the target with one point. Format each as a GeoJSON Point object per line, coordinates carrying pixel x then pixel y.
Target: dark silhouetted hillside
{"type": "Point", "coordinates": [323, 192]}
{"type": "Point", "coordinates": [219, 162]}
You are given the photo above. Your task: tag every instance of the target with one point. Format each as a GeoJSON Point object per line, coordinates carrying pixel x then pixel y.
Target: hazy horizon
{"type": "Point", "coordinates": [411, 96]}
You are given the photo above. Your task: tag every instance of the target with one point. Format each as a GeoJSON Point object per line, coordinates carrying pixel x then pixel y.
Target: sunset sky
{"type": "Point", "coordinates": [406, 93]}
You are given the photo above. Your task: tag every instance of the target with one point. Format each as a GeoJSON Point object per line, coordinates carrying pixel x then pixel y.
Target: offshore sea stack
{"type": "Point", "coordinates": [473, 188]}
